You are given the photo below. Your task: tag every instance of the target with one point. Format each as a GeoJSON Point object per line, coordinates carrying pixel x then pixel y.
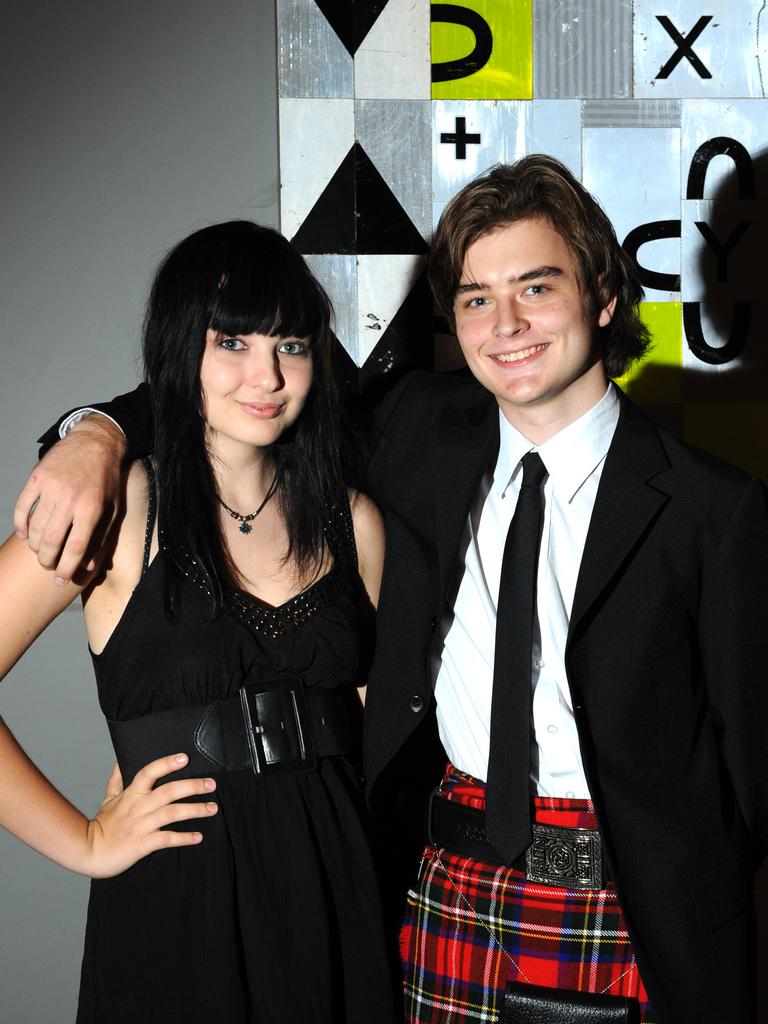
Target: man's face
{"type": "Point", "coordinates": [524, 327]}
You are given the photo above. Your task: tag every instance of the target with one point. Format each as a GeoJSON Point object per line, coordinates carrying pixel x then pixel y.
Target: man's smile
{"type": "Point", "coordinates": [516, 357]}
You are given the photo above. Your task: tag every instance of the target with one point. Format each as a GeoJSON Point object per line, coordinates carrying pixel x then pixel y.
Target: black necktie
{"type": "Point", "coordinates": [508, 808]}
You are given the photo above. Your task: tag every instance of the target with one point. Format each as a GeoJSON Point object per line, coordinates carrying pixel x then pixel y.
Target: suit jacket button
{"type": "Point", "coordinates": [416, 703]}
{"type": "Point", "coordinates": [433, 623]}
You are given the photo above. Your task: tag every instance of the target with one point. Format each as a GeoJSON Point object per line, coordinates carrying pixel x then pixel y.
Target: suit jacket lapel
{"type": "Point", "coordinates": [467, 441]}
{"type": "Point", "coordinates": [626, 503]}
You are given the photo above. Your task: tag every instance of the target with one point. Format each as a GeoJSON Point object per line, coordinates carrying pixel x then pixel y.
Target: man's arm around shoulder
{"type": "Point", "coordinates": [71, 497]}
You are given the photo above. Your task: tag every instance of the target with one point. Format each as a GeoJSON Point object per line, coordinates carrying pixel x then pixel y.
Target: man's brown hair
{"type": "Point", "coordinates": [539, 186]}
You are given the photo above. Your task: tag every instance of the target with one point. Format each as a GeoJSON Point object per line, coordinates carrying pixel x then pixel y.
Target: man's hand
{"type": "Point", "coordinates": [72, 491]}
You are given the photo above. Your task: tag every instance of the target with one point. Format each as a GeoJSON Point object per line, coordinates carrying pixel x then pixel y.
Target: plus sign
{"type": "Point", "coordinates": [460, 138]}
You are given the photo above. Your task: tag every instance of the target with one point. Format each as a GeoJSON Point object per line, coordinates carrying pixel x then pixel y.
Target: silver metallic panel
{"type": "Point", "coordinates": [396, 136]}
{"type": "Point", "coordinates": [338, 275]}
{"type": "Point", "coordinates": [311, 59]}
{"type": "Point", "coordinates": [582, 48]}
{"type": "Point", "coordinates": [631, 113]}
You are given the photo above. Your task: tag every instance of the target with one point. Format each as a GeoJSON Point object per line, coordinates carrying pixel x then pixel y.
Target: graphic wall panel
{"type": "Point", "coordinates": [659, 108]}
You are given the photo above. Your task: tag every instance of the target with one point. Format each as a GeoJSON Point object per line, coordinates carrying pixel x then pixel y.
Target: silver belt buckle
{"type": "Point", "coordinates": [570, 858]}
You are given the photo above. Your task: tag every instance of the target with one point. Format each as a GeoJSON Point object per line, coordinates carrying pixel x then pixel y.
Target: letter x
{"type": "Point", "coordinates": [684, 44]}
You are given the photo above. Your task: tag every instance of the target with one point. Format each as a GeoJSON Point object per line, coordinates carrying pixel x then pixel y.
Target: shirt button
{"type": "Point", "coordinates": [538, 663]}
{"type": "Point", "coordinates": [570, 794]}
{"type": "Point", "coordinates": [552, 729]}
{"type": "Point", "coordinates": [416, 703]}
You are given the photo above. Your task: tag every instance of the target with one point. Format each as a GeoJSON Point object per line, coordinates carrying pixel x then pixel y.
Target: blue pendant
{"type": "Point", "coordinates": [245, 527]}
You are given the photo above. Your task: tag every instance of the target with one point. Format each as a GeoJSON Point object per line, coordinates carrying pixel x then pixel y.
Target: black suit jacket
{"type": "Point", "coordinates": [667, 662]}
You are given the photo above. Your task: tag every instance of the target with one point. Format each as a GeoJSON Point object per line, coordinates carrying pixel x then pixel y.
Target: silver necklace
{"type": "Point", "coordinates": [245, 521]}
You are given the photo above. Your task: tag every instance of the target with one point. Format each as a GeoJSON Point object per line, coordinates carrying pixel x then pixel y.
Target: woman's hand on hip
{"type": "Point", "coordinates": [130, 824]}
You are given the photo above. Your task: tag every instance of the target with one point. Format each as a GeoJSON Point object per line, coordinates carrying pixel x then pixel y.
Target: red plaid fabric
{"type": "Point", "coordinates": [471, 927]}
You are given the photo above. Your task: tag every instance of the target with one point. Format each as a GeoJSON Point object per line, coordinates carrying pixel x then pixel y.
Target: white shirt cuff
{"type": "Point", "coordinates": [79, 414]}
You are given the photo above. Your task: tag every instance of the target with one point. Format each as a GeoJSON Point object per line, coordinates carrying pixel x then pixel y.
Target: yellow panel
{"type": "Point", "coordinates": [657, 379]}
{"type": "Point", "coordinates": [508, 74]}
{"type": "Point", "coordinates": [735, 431]}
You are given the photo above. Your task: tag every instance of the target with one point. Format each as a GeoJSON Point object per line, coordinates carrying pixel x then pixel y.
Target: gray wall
{"type": "Point", "coordinates": [124, 127]}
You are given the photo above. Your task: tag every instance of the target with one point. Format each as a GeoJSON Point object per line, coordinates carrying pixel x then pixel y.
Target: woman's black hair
{"type": "Point", "coordinates": [236, 278]}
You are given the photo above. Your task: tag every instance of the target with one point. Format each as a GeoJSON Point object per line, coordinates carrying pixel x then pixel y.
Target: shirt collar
{"type": "Point", "coordinates": [571, 456]}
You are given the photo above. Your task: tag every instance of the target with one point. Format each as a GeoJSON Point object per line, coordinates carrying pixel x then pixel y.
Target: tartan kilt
{"type": "Point", "coordinates": [471, 927]}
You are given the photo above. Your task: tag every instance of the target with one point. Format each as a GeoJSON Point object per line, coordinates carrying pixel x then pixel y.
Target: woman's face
{"type": "Point", "coordinates": [254, 386]}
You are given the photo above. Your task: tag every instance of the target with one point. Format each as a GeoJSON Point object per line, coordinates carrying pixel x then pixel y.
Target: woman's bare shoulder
{"type": "Point", "coordinates": [121, 567]}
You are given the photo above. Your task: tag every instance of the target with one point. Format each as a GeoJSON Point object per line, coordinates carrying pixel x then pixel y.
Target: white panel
{"type": "Point", "coordinates": [393, 61]}
{"type": "Point", "coordinates": [732, 47]}
{"type": "Point", "coordinates": [315, 136]}
{"type": "Point", "coordinates": [396, 136]}
{"type": "Point", "coordinates": [616, 171]}
{"type": "Point", "coordinates": [746, 121]}
{"type": "Point", "coordinates": [337, 274]}
{"type": "Point", "coordinates": [311, 59]}
{"type": "Point", "coordinates": [383, 285]}
{"type": "Point", "coordinates": [556, 130]}
{"type": "Point", "coordinates": [741, 271]}
{"type": "Point", "coordinates": [503, 127]}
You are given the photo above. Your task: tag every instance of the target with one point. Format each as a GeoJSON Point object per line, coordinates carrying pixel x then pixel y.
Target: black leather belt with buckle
{"type": "Point", "coordinates": [273, 726]}
{"type": "Point", "coordinates": [570, 858]}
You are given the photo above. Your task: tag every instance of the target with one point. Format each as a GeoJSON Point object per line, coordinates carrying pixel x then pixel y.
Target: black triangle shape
{"type": "Point", "coordinates": [405, 345]}
{"type": "Point", "coordinates": [358, 214]}
{"type": "Point", "coordinates": [344, 369]}
{"type": "Point", "coordinates": [330, 226]}
{"type": "Point", "coordinates": [383, 226]}
{"type": "Point", "coordinates": [351, 20]}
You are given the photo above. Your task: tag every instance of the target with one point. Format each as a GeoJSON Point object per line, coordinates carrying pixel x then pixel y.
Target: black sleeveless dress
{"type": "Point", "coordinates": [274, 918]}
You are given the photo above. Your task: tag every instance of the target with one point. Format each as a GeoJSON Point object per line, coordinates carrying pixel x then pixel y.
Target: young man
{"type": "Point", "coordinates": [645, 689]}
{"type": "Point", "coordinates": [582, 599]}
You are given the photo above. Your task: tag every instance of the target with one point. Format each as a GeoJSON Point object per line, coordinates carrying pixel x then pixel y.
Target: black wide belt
{"type": "Point", "coordinates": [284, 728]}
{"type": "Point", "coordinates": [570, 858]}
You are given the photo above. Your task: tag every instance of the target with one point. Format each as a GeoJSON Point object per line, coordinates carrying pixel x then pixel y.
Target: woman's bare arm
{"type": "Point", "coordinates": [127, 826]}
{"type": "Point", "coordinates": [130, 821]}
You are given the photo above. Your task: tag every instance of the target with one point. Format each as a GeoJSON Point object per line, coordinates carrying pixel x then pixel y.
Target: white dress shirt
{"type": "Point", "coordinates": [464, 677]}
{"type": "Point", "coordinates": [79, 414]}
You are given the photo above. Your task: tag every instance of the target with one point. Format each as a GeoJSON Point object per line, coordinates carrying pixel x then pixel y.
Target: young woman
{"type": "Point", "coordinates": [228, 629]}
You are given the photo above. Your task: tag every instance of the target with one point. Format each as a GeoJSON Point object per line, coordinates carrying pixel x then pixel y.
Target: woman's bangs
{"type": "Point", "coordinates": [268, 299]}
